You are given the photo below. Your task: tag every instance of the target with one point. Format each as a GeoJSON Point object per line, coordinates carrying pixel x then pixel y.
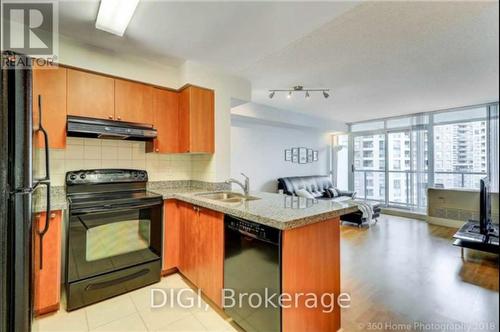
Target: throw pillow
{"type": "Point", "coordinates": [304, 193]}
{"type": "Point", "coordinates": [334, 192]}
{"type": "Point", "coordinates": [327, 194]}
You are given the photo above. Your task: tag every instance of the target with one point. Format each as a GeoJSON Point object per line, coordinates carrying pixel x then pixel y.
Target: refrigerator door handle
{"type": "Point", "coordinates": [41, 232]}
{"type": "Point", "coordinates": [45, 181]}
{"type": "Point", "coordinates": [45, 139]}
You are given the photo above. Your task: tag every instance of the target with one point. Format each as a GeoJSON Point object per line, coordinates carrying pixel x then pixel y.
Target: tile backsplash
{"type": "Point", "coordinates": [88, 153]}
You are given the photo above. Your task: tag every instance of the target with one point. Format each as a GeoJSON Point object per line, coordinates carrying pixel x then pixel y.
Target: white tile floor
{"type": "Point", "coordinates": [133, 312]}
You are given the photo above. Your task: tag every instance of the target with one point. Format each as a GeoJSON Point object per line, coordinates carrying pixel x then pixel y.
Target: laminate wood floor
{"type": "Point", "coordinates": [404, 275]}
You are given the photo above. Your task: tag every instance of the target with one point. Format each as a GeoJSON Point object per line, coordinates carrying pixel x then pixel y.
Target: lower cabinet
{"type": "Point", "coordinates": [171, 236]}
{"type": "Point", "coordinates": [210, 260]}
{"type": "Point", "coordinates": [47, 263]}
{"type": "Point", "coordinates": [201, 248]}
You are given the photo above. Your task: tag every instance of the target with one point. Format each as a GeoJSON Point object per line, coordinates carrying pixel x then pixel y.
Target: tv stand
{"type": "Point", "coordinates": [470, 237]}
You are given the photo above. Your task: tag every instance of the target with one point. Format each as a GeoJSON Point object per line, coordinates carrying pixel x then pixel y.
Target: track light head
{"type": "Point", "coordinates": [289, 94]}
{"type": "Point", "coordinates": [271, 94]}
{"type": "Point", "coordinates": [307, 95]}
{"type": "Point", "coordinates": [326, 94]}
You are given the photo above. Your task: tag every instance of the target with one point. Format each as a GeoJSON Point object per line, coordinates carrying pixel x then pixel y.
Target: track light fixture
{"type": "Point", "coordinates": [299, 88]}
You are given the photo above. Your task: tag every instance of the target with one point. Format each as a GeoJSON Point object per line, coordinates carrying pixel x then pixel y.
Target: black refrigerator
{"type": "Point", "coordinates": [19, 188]}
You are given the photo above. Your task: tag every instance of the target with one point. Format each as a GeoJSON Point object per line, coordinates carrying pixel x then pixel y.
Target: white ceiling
{"type": "Point", "coordinates": [379, 58]}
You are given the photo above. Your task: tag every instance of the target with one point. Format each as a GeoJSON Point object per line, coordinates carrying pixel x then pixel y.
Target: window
{"type": "Point", "coordinates": [393, 160]}
{"type": "Point", "coordinates": [463, 165]}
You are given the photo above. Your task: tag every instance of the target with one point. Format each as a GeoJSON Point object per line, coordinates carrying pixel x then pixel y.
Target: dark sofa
{"type": "Point", "coordinates": [316, 185]}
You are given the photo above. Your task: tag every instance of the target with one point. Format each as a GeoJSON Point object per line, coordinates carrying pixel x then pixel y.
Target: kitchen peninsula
{"type": "Point", "coordinates": [308, 258]}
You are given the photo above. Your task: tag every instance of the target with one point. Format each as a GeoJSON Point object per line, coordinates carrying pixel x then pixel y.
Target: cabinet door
{"type": "Point", "coordinates": [171, 235]}
{"type": "Point", "coordinates": [133, 102]}
{"type": "Point", "coordinates": [210, 258]}
{"type": "Point", "coordinates": [47, 280]}
{"type": "Point", "coordinates": [202, 120]}
{"type": "Point", "coordinates": [166, 120]}
{"type": "Point", "coordinates": [50, 85]}
{"type": "Point", "coordinates": [90, 95]}
{"type": "Point", "coordinates": [196, 117]}
{"type": "Point", "coordinates": [184, 121]}
{"type": "Point", "coordinates": [188, 220]}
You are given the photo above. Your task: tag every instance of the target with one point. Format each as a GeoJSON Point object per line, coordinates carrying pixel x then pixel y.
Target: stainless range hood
{"type": "Point", "coordinates": [96, 128]}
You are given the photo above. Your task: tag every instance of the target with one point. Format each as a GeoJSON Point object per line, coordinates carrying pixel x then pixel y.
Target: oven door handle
{"type": "Point", "coordinates": [114, 207]}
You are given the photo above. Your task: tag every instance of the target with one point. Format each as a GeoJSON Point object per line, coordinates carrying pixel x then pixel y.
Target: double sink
{"type": "Point", "coordinates": [227, 197]}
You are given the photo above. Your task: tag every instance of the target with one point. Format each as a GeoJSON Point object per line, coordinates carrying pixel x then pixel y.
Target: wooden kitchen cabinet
{"type": "Point", "coordinates": [133, 102]}
{"type": "Point", "coordinates": [90, 95]}
{"type": "Point", "coordinates": [196, 120]}
{"type": "Point", "coordinates": [47, 278]}
{"type": "Point", "coordinates": [166, 121]}
{"type": "Point", "coordinates": [50, 85]}
{"type": "Point", "coordinates": [189, 244]}
{"type": "Point", "coordinates": [202, 249]}
{"type": "Point", "coordinates": [210, 258]}
{"type": "Point", "coordinates": [171, 236]}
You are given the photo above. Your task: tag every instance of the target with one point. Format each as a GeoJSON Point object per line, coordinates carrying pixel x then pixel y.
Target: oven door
{"type": "Point", "coordinates": [109, 238]}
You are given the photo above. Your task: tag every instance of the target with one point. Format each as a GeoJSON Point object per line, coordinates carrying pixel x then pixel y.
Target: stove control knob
{"type": "Point", "coordinates": [83, 176]}
{"type": "Point", "coordinates": [72, 176]}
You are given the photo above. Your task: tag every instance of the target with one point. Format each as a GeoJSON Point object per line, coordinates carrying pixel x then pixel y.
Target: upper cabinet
{"type": "Point", "coordinates": [133, 102]}
{"type": "Point", "coordinates": [90, 95]}
{"type": "Point", "coordinates": [184, 119]}
{"type": "Point", "coordinates": [166, 121]}
{"type": "Point", "coordinates": [49, 88]}
{"type": "Point", "coordinates": [196, 120]}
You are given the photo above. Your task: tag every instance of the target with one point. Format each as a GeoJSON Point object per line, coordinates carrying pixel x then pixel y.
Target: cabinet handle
{"type": "Point", "coordinates": [52, 215]}
{"type": "Point", "coordinates": [119, 118]}
{"type": "Point", "coordinates": [157, 150]}
{"type": "Point", "coordinates": [110, 117]}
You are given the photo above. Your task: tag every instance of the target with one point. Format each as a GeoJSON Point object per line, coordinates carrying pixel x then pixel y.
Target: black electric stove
{"type": "Point", "coordinates": [115, 232]}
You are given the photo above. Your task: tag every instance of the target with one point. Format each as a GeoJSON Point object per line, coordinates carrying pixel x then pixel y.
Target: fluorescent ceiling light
{"type": "Point", "coordinates": [115, 15]}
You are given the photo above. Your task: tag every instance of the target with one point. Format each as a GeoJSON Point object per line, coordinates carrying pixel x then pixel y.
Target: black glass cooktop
{"type": "Point", "coordinates": [104, 198]}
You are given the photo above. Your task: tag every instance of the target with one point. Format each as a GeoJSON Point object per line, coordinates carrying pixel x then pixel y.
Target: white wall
{"type": "Point", "coordinates": [257, 149]}
{"type": "Point", "coordinates": [74, 53]}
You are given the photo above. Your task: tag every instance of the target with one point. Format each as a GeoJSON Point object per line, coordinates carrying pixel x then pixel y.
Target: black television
{"type": "Point", "coordinates": [484, 206]}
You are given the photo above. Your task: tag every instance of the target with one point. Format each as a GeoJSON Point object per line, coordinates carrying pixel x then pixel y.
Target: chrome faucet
{"type": "Point", "coordinates": [245, 187]}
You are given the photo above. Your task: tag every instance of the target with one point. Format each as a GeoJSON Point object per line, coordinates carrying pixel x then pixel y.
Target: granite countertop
{"type": "Point", "coordinates": [275, 210]}
{"type": "Point", "coordinates": [57, 200]}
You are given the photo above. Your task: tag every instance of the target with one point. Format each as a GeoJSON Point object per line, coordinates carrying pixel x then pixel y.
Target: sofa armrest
{"type": "Point", "coordinates": [351, 194]}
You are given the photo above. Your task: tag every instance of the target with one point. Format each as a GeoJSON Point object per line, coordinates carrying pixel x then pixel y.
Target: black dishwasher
{"type": "Point", "coordinates": [252, 265]}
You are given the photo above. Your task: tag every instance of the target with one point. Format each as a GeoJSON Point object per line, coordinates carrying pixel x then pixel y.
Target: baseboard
{"type": "Point", "coordinates": [445, 222]}
{"type": "Point", "coordinates": [170, 271]}
{"type": "Point", "coordinates": [47, 310]}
